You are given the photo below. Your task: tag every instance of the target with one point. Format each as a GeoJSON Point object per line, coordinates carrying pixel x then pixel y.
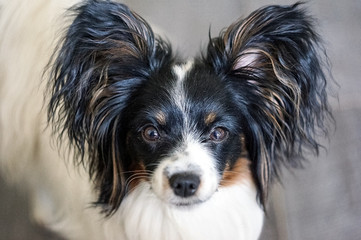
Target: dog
{"type": "Point", "coordinates": [114, 136]}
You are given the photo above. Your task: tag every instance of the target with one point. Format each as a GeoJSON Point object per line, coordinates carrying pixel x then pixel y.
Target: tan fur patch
{"type": "Point", "coordinates": [240, 171]}
{"type": "Point", "coordinates": [161, 118]}
{"type": "Point", "coordinates": [209, 118]}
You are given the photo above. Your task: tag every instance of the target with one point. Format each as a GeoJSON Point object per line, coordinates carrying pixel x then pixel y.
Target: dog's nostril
{"type": "Point", "coordinates": [184, 185]}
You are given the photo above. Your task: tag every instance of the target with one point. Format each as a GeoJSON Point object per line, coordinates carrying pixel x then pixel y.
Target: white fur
{"type": "Point", "coordinates": [60, 194]}
{"type": "Point", "coordinates": [192, 158]}
{"type": "Point", "coordinates": [181, 70]}
{"type": "Point", "coordinates": [178, 93]}
{"type": "Point", "coordinates": [231, 213]}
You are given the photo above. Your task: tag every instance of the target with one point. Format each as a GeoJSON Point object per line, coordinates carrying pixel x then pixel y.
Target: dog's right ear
{"type": "Point", "coordinates": [108, 51]}
{"type": "Point", "coordinates": [275, 63]}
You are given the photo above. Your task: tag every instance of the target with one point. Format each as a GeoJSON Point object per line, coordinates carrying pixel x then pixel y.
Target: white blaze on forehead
{"type": "Point", "coordinates": [181, 70]}
{"type": "Point", "coordinates": [178, 92]}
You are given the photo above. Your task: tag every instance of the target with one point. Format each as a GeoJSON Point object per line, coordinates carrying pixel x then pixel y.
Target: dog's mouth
{"type": "Point", "coordinates": [187, 203]}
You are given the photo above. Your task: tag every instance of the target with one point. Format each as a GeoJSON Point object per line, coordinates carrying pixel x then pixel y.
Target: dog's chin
{"type": "Point", "coordinates": [186, 203]}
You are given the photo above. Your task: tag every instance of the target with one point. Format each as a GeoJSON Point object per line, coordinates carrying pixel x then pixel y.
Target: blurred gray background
{"type": "Point", "coordinates": [321, 201]}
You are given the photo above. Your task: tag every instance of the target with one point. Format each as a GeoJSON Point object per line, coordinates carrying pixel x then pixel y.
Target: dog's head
{"type": "Point", "coordinates": [135, 112]}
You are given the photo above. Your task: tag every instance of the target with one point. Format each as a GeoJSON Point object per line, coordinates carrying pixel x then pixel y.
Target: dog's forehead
{"type": "Point", "coordinates": [196, 94]}
{"type": "Point", "coordinates": [181, 72]}
{"type": "Point", "coordinates": [188, 95]}
{"type": "Point", "coordinates": [194, 83]}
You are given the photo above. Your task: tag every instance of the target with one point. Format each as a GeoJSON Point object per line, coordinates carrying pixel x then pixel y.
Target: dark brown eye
{"type": "Point", "coordinates": [218, 134]}
{"type": "Point", "coordinates": [150, 134]}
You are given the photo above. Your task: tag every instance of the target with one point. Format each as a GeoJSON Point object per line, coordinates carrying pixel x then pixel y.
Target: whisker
{"type": "Point", "coordinates": [133, 178]}
{"type": "Point", "coordinates": [138, 171]}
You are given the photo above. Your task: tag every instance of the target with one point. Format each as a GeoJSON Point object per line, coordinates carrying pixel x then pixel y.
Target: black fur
{"type": "Point", "coordinates": [106, 55]}
{"type": "Point", "coordinates": [290, 64]}
{"type": "Point", "coordinates": [111, 75]}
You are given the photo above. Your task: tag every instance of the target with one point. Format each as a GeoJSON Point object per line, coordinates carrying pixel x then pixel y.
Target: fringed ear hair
{"type": "Point", "coordinates": [106, 54]}
{"type": "Point", "coordinates": [274, 62]}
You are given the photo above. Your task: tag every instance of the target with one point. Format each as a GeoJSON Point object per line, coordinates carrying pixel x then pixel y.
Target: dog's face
{"type": "Point", "coordinates": [184, 130]}
{"type": "Point", "coordinates": [137, 113]}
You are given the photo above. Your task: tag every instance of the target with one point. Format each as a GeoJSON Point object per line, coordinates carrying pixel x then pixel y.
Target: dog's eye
{"type": "Point", "coordinates": [150, 134]}
{"type": "Point", "coordinates": [218, 134]}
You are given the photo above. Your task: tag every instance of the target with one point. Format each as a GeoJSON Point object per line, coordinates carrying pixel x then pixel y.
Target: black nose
{"type": "Point", "coordinates": [184, 185]}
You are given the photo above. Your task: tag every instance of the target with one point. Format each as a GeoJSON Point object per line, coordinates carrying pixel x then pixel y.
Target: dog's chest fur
{"type": "Point", "coordinates": [231, 212]}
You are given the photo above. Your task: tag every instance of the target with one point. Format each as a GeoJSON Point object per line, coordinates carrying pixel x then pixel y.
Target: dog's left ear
{"type": "Point", "coordinates": [107, 53]}
{"type": "Point", "coordinates": [273, 62]}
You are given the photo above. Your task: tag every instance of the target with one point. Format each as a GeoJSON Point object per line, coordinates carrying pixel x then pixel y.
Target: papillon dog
{"type": "Point", "coordinates": [114, 136]}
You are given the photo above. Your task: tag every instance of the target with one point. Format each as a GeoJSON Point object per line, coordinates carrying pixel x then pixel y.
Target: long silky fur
{"type": "Point", "coordinates": [282, 84]}
{"type": "Point", "coordinates": [106, 54]}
